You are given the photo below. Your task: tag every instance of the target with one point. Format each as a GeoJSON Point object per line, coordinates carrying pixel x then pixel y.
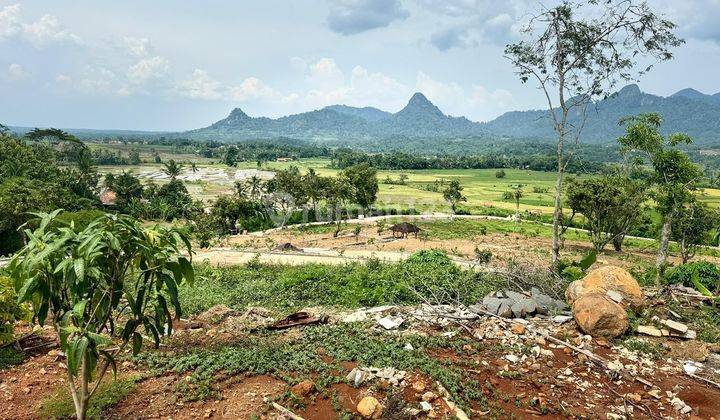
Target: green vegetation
{"type": "Point", "coordinates": [295, 359]}
{"type": "Point", "coordinates": [110, 392]}
{"type": "Point", "coordinates": [286, 288]}
{"type": "Point", "coordinates": [10, 310]}
{"type": "Point", "coordinates": [112, 276]}
{"type": "Point", "coordinates": [707, 273]}
{"type": "Point", "coordinates": [10, 357]}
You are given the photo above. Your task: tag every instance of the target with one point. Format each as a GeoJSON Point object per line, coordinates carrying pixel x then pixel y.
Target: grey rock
{"type": "Point", "coordinates": [505, 311]}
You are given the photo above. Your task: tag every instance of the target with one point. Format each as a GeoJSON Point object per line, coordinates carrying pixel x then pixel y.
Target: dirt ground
{"type": "Point", "coordinates": [323, 247]}
{"type": "Point", "coordinates": [561, 384]}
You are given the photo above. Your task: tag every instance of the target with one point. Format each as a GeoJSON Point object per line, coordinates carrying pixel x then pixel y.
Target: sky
{"type": "Point", "coordinates": [177, 65]}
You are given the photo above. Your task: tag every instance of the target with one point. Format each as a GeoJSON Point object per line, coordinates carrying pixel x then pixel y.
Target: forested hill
{"type": "Point", "coordinates": [420, 118]}
{"type": "Point", "coordinates": [687, 111]}
{"type": "Point", "coordinates": [420, 121]}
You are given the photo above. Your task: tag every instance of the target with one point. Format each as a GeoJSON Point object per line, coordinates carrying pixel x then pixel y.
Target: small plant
{"type": "Point", "coordinates": [540, 190]}
{"type": "Point", "coordinates": [10, 310]}
{"type": "Point", "coordinates": [482, 256]}
{"type": "Point", "coordinates": [575, 270]}
{"type": "Point", "coordinates": [356, 231]}
{"type": "Point", "coordinates": [113, 275]}
{"type": "Point", "coordinates": [500, 174]}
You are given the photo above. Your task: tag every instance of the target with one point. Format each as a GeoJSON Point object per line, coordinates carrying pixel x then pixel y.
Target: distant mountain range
{"type": "Point", "coordinates": [419, 118]}
{"type": "Point", "coordinates": [686, 111]}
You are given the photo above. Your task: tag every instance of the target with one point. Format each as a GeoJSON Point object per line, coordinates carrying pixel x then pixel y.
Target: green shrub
{"type": "Point", "coordinates": [10, 310]}
{"type": "Point", "coordinates": [287, 287]}
{"type": "Point", "coordinates": [707, 273]}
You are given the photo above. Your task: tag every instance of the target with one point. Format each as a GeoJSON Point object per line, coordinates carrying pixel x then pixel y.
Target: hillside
{"type": "Point", "coordinates": [686, 111]}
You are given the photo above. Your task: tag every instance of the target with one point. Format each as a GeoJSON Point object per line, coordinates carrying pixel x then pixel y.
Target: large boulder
{"type": "Point", "coordinates": [370, 408]}
{"type": "Point", "coordinates": [607, 279]}
{"type": "Point", "coordinates": [598, 315]}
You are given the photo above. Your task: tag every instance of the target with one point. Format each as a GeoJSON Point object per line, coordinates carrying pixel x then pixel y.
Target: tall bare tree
{"type": "Point", "coordinates": [577, 52]}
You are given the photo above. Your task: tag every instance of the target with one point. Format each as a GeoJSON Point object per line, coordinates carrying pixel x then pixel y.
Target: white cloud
{"type": "Point", "coordinates": [147, 70]}
{"type": "Point", "coordinates": [253, 88]}
{"type": "Point", "coordinates": [478, 103]}
{"type": "Point", "coordinates": [325, 68]}
{"type": "Point", "coordinates": [136, 47]}
{"type": "Point", "coordinates": [97, 80]}
{"type": "Point", "coordinates": [16, 72]}
{"type": "Point", "coordinates": [200, 86]}
{"type": "Point", "coordinates": [46, 31]}
{"type": "Point", "coordinates": [9, 21]}
{"type": "Point", "coordinates": [298, 63]}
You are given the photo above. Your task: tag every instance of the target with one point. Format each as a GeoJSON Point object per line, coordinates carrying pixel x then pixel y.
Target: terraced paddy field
{"type": "Point", "coordinates": [484, 191]}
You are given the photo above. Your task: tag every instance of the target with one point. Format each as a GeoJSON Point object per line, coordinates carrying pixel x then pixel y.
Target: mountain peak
{"type": "Point", "coordinates": [238, 114]}
{"type": "Point", "coordinates": [631, 89]}
{"type": "Point", "coordinates": [419, 104]}
{"type": "Point", "coordinates": [689, 93]}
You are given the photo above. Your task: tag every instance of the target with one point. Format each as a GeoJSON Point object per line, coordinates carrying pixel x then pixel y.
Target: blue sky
{"type": "Point", "coordinates": [176, 65]}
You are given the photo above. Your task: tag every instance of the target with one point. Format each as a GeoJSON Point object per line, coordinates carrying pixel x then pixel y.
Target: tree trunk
{"type": "Point", "coordinates": [617, 243]}
{"type": "Point", "coordinates": [663, 250]}
{"type": "Point", "coordinates": [557, 213]}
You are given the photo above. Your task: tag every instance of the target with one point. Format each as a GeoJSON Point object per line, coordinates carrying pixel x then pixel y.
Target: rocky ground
{"type": "Point", "coordinates": [513, 355]}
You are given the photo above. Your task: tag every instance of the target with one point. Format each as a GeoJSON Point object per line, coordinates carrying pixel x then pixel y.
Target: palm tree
{"type": "Point", "coordinates": [241, 189]}
{"type": "Point", "coordinates": [172, 169]}
{"type": "Point", "coordinates": [517, 194]}
{"type": "Point", "coordinates": [255, 185]}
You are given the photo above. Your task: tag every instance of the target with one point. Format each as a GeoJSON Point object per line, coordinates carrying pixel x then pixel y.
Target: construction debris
{"type": "Point", "coordinates": [297, 319]}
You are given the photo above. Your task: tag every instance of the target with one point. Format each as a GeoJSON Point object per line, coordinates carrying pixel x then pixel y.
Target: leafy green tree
{"type": "Point", "coordinates": [54, 135]}
{"type": "Point", "coordinates": [611, 206]}
{"type": "Point", "coordinates": [170, 201]}
{"type": "Point", "coordinates": [577, 52]}
{"type": "Point", "coordinates": [134, 157]}
{"type": "Point", "coordinates": [98, 285]}
{"type": "Point", "coordinates": [126, 187]}
{"type": "Point", "coordinates": [517, 194]}
{"type": "Point", "coordinates": [231, 156]}
{"type": "Point", "coordinates": [363, 177]}
{"type": "Point", "coordinates": [286, 193]}
{"type": "Point", "coordinates": [340, 194]}
{"type": "Point", "coordinates": [674, 174]}
{"type": "Point", "coordinates": [694, 226]}
{"type": "Point", "coordinates": [500, 173]}
{"type": "Point", "coordinates": [453, 194]}
{"type": "Point", "coordinates": [172, 169]}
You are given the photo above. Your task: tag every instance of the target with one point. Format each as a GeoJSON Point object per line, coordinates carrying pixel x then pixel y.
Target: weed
{"type": "Point", "coordinates": [110, 392]}
{"type": "Point", "coordinates": [10, 357]}
{"type": "Point", "coordinates": [266, 354]}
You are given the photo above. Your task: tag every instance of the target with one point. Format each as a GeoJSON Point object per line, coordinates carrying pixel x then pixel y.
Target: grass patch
{"type": "Point", "coordinates": [287, 287]}
{"type": "Point", "coordinates": [60, 405]}
{"type": "Point", "coordinates": [10, 357]}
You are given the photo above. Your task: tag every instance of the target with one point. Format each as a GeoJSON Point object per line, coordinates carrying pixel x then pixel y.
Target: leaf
{"type": "Point", "coordinates": [99, 339]}
{"type": "Point", "coordinates": [701, 287]}
{"type": "Point", "coordinates": [588, 260]}
{"type": "Point", "coordinates": [173, 292]}
{"type": "Point", "coordinates": [187, 269]}
{"type": "Point", "coordinates": [79, 265]}
{"type": "Point", "coordinates": [79, 310]}
{"type": "Point", "coordinates": [27, 289]}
